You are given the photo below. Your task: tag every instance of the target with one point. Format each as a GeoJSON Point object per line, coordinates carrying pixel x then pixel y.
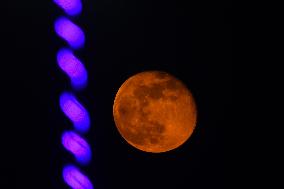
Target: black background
{"type": "Point", "coordinates": [189, 40]}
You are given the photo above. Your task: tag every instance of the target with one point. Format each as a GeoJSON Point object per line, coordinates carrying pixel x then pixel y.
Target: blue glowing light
{"type": "Point", "coordinates": [70, 32]}
{"type": "Point", "coordinates": [75, 112]}
{"type": "Point", "coordinates": [77, 145]}
{"type": "Point", "coordinates": [71, 7]}
{"type": "Point", "coordinates": [75, 179]}
{"type": "Point", "coordinates": [73, 68]}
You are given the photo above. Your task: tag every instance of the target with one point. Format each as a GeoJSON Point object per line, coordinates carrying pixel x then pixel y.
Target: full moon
{"type": "Point", "coordinates": [154, 111]}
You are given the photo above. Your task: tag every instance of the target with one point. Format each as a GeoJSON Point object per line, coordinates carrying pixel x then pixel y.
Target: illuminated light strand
{"type": "Point", "coordinates": [71, 7]}
{"type": "Point", "coordinates": [74, 68]}
{"type": "Point", "coordinates": [75, 112]}
{"type": "Point", "coordinates": [75, 178]}
{"type": "Point", "coordinates": [77, 146]}
{"type": "Point", "coordinates": [70, 32]}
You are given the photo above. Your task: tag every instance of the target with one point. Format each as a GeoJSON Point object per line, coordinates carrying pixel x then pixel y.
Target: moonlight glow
{"type": "Point", "coordinates": [154, 112]}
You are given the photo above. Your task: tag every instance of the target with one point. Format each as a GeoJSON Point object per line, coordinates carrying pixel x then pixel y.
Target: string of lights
{"type": "Point", "coordinates": [73, 140]}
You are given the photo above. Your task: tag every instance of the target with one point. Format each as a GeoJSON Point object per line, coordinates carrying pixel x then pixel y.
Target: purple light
{"type": "Point", "coordinates": [75, 179]}
{"type": "Point", "coordinates": [77, 145]}
{"type": "Point", "coordinates": [70, 32]}
{"type": "Point", "coordinates": [75, 112]}
{"type": "Point", "coordinates": [73, 68]}
{"type": "Point", "coordinates": [71, 7]}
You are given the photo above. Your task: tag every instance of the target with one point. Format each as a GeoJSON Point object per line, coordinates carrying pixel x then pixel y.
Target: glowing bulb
{"type": "Point", "coordinates": [75, 179]}
{"type": "Point", "coordinates": [77, 145]}
{"type": "Point", "coordinates": [75, 112]}
{"type": "Point", "coordinates": [71, 7]}
{"type": "Point", "coordinates": [70, 32]}
{"type": "Point", "coordinates": [73, 67]}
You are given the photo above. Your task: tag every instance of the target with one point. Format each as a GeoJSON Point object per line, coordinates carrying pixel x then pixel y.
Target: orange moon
{"type": "Point", "coordinates": [154, 111]}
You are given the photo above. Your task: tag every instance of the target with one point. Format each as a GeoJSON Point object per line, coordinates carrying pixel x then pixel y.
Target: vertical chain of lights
{"type": "Point", "coordinates": [73, 140]}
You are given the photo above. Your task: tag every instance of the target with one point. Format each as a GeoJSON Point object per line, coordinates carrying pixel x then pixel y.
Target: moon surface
{"type": "Point", "coordinates": [154, 112]}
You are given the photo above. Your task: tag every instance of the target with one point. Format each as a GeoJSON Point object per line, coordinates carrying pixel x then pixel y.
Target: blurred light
{"type": "Point", "coordinates": [77, 145]}
{"type": "Point", "coordinates": [72, 67]}
{"type": "Point", "coordinates": [70, 32]}
{"type": "Point", "coordinates": [75, 112]}
{"type": "Point", "coordinates": [71, 7]}
{"type": "Point", "coordinates": [75, 179]}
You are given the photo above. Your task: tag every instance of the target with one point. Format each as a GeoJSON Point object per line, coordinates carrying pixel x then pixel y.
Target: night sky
{"type": "Point", "coordinates": [191, 41]}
